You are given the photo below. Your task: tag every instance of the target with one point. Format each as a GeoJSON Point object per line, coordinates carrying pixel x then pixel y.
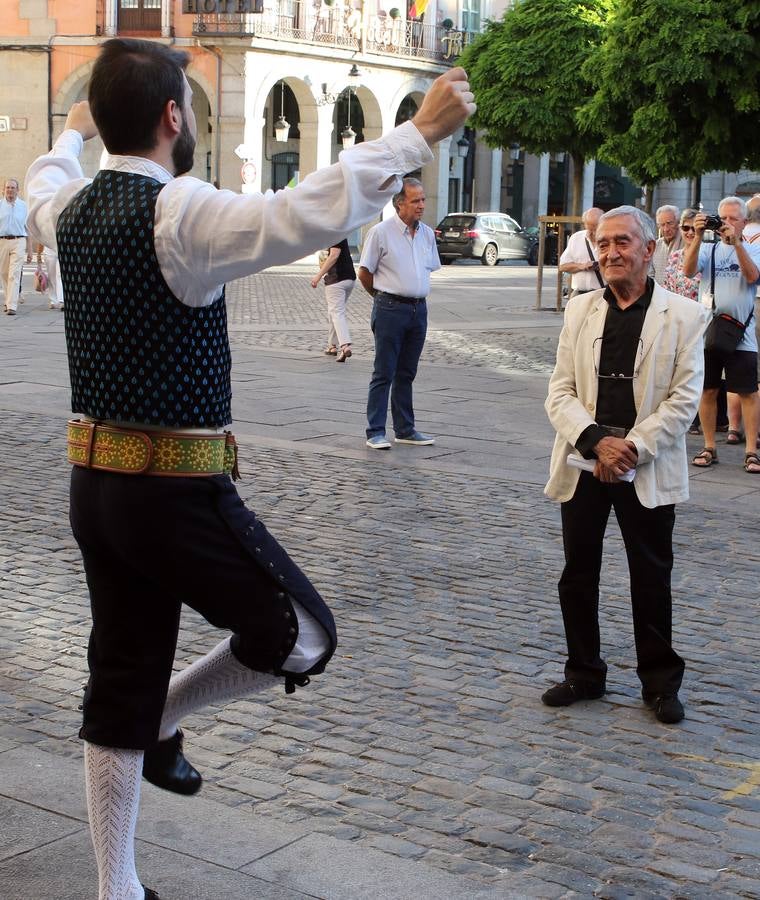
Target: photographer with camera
{"type": "Point", "coordinates": [730, 270]}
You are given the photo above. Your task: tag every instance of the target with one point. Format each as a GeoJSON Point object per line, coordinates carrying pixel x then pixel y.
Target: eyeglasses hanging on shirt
{"type": "Point", "coordinates": [617, 376]}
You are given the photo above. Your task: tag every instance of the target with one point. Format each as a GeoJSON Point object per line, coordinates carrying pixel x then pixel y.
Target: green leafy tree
{"type": "Point", "coordinates": [526, 71]}
{"type": "Point", "coordinates": [677, 88]}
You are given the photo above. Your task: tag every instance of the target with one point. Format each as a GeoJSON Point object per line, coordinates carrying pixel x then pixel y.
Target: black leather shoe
{"type": "Point", "coordinates": [568, 692]}
{"type": "Point", "coordinates": [667, 708]}
{"type": "Point", "coordinates": [150, 895]}
{"type": "Point", "coordinates": [165, 766]}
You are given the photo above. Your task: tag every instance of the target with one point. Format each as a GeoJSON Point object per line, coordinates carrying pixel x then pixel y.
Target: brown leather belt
{"type": "Point", "coordinates": [12, 237]}
{"type": "Point", "coordinates": [134, 452]}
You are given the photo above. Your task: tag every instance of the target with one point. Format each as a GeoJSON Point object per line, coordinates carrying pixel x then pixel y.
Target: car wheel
{"type": "Point", "coordinates": [490, 255]}
{"type": "Point", "coordinates": [446, 260]}
{"type": "Point", "coordinates": [533, 256]}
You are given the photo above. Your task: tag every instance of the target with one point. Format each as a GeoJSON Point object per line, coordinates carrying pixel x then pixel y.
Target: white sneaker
{"type": "Point", "coordinates": [379, 442]}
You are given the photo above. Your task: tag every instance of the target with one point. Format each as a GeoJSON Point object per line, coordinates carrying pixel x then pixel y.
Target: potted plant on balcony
{"type": "Point", "coordinates": [394, 13]}
{"type": "Point", "coordinates": [447, 24]}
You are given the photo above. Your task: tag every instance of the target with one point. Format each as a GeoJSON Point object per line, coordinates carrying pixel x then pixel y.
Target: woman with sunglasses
{"type": "Point", "coordinates": [674, 279]}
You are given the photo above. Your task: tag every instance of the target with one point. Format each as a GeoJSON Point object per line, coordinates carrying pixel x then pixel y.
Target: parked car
{"type": "Point", "coordinates": [550, 246]}
{"type": "Point", "coordinates": [489, 237]}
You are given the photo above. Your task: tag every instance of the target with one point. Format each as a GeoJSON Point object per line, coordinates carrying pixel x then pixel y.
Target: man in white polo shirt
{"type": "Point", "coordinates": [397, 258]}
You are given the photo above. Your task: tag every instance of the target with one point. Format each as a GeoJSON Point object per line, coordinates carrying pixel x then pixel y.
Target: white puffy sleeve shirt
{"type": "Point", "coordinates": [205, 237]}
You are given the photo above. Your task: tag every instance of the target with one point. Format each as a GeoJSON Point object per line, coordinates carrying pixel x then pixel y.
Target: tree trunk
{"type": "Point", "coordinates": [649, 199]}
{"type": "Point", "coordinates": [578, 163]}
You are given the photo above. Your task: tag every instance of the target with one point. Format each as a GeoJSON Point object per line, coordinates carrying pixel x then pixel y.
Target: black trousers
{"type": "Point", "coordinates": [150, 544]}
{"type": "Point", "coordinates": [648, 538]}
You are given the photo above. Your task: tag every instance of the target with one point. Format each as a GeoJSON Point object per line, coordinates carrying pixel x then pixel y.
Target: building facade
{"type": "Point", "coordinates": [325, 68]}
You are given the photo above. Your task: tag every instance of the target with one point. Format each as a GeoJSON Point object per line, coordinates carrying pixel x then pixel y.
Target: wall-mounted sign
{"type": "Point", "coordinates": [5, 123]}
{"type": "Point", "coordinates": [212, 7]}
{"type": "Point", "coordinates": [248, 173]}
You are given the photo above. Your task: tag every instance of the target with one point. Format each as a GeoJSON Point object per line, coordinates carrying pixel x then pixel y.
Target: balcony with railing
{"type": "Point", "coordinates": [337, 26]}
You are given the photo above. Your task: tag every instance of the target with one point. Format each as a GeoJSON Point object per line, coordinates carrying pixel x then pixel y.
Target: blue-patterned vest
{"type": "Point", "coordinates": [136, 353]}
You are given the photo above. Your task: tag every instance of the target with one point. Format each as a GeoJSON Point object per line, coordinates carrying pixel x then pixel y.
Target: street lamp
{"type": "Point", "coordinates": [514, 151]}
{"type": "Point", "coordinates": [348, 135]}
{"type": "Point", "coordinates": [328, 98]}
{"type": "Point", "coordinates": [463, 147]}
{"type": "Point", "coordinates": [281, 126]}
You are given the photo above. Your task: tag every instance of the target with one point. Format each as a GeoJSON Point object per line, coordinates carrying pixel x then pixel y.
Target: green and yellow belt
{"type": "Point", "coordinates": [131, 451]}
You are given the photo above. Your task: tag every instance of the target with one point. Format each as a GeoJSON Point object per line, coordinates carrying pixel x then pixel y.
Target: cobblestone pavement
{"type": "Point", "coordinates": [259, 307]}
{"type": "Point", "coordinates": [426, 737]}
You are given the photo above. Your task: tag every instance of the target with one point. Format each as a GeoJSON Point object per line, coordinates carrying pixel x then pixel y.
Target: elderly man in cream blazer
{"type": "Point", "coordinates": [625, 389]}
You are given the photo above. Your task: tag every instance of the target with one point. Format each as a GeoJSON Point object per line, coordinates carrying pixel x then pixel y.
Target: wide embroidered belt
{"type": "Point", "coordinates": [135, 452]}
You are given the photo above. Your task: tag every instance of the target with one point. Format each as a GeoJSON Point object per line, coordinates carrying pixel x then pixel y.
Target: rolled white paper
{"type": "Point", "coordinates": [588, 465]}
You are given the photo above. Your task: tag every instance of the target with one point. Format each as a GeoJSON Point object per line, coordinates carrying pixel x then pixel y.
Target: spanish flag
{"type": "Point", "coordinates": [417, 8]}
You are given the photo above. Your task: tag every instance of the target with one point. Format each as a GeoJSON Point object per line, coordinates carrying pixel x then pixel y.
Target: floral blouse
{"type": "Point", "coordinates": [674, 279]}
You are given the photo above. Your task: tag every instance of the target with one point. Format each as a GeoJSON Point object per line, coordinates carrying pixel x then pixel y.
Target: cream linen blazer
{"type": "Point", "coordinates": [666, 392]}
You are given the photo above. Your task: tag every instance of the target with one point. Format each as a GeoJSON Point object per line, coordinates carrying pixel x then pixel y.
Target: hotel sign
{"type": "Point", "coordinates": [211, 7]}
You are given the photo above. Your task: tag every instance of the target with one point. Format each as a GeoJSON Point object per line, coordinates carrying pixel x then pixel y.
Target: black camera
{"type": "Point", "coordinates": [713, 223]}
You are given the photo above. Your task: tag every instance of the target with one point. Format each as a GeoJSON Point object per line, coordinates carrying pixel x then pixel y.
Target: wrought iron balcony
{"type": "Point", "coordinates": [337, 26]}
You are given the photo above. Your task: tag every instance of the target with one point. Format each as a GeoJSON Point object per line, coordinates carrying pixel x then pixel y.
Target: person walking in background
{"type": "Point", "coordinates": [340, 278]}
{"type": "Point", "coordinates": [670, 239]}
{"type": "Point", "coordinates": [151, 541]}
{"type": "Point", "coordinates": [397, 258]}
{"type": "Point", "coordinates": [15, 246]}
{"type": "Point", "coordinates": [624, 390]}
{"type": "Point", "coordinates": [580, 258]}
{"type": "Point", "coordinates": [54, 285]}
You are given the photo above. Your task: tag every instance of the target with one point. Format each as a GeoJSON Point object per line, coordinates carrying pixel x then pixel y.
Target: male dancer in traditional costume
{"type": "Point", "coordinates": [144, 256]}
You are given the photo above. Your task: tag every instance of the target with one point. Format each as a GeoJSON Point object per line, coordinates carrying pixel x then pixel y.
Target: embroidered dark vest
{"type": "Point", "coordinates": [136, 353]}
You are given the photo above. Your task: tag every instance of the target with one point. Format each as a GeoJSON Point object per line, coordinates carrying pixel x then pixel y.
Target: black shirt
{"type": "Point", "coordinates": [619, 355]}
{"type": "Point", "coordinates": [343, 270]}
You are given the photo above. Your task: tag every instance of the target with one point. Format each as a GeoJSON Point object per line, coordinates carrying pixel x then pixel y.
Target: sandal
{"type": "Point", "coordinates": [345, 352]}
{"type": "Point", "coordinates": [734, 437]}
{"type": "Point", "coordinates": [706, 458]}
{"type": "Point", "coordinates": [752, 463]}
{"type": "Point", "coordinates": [331, 350]}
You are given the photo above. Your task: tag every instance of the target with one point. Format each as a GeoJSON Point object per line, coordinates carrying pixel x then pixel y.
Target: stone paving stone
{"type": "Point", "coordinates": [443, 582]}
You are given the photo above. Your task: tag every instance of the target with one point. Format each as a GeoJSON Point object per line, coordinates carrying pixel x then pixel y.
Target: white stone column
{"type": "Point", "coordinates": [589, 174]}
{"type": "Point", "coordinates": [166, 18]}
{"type": "Point", "coordinates": [543, 184]}
{"type": "Point", "coordinates": [111, 18]}
{"type": "Point", "coordinates": [315, 148]}
{"type": "Point", "coordinates": [435, 180]}
{"type": "Point", "coordinates": [495, 198]}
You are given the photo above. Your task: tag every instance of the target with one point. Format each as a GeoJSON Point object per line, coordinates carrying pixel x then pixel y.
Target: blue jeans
{"type": "Point", "coordinates": [399, 330]}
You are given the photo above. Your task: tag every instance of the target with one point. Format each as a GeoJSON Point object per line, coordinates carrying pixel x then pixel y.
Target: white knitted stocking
{"type": "Point", "coordinates": [112, 779]}
{"type": "Point", "coordinates": [213, 678]}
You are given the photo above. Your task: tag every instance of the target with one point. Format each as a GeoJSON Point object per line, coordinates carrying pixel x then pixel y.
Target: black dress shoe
{"type": "Point", "coordinates": [667, 708]}
{"type": "Point", "coordinates": [568, 692]}
{"type": "Point", "coordinates": [165, 766]}
{"type": "Point", "coordinates": [150, 895]}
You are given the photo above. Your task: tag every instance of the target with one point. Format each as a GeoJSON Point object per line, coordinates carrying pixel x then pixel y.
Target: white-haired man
{"type": "Point", "coordinates": [580, 259]}
{"type": "Point", "coordinates": [669, 240]}
{"type": "Point", "coordinates": [624, 392]}
{"type": "Point", "coordinates": [730, 274]}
